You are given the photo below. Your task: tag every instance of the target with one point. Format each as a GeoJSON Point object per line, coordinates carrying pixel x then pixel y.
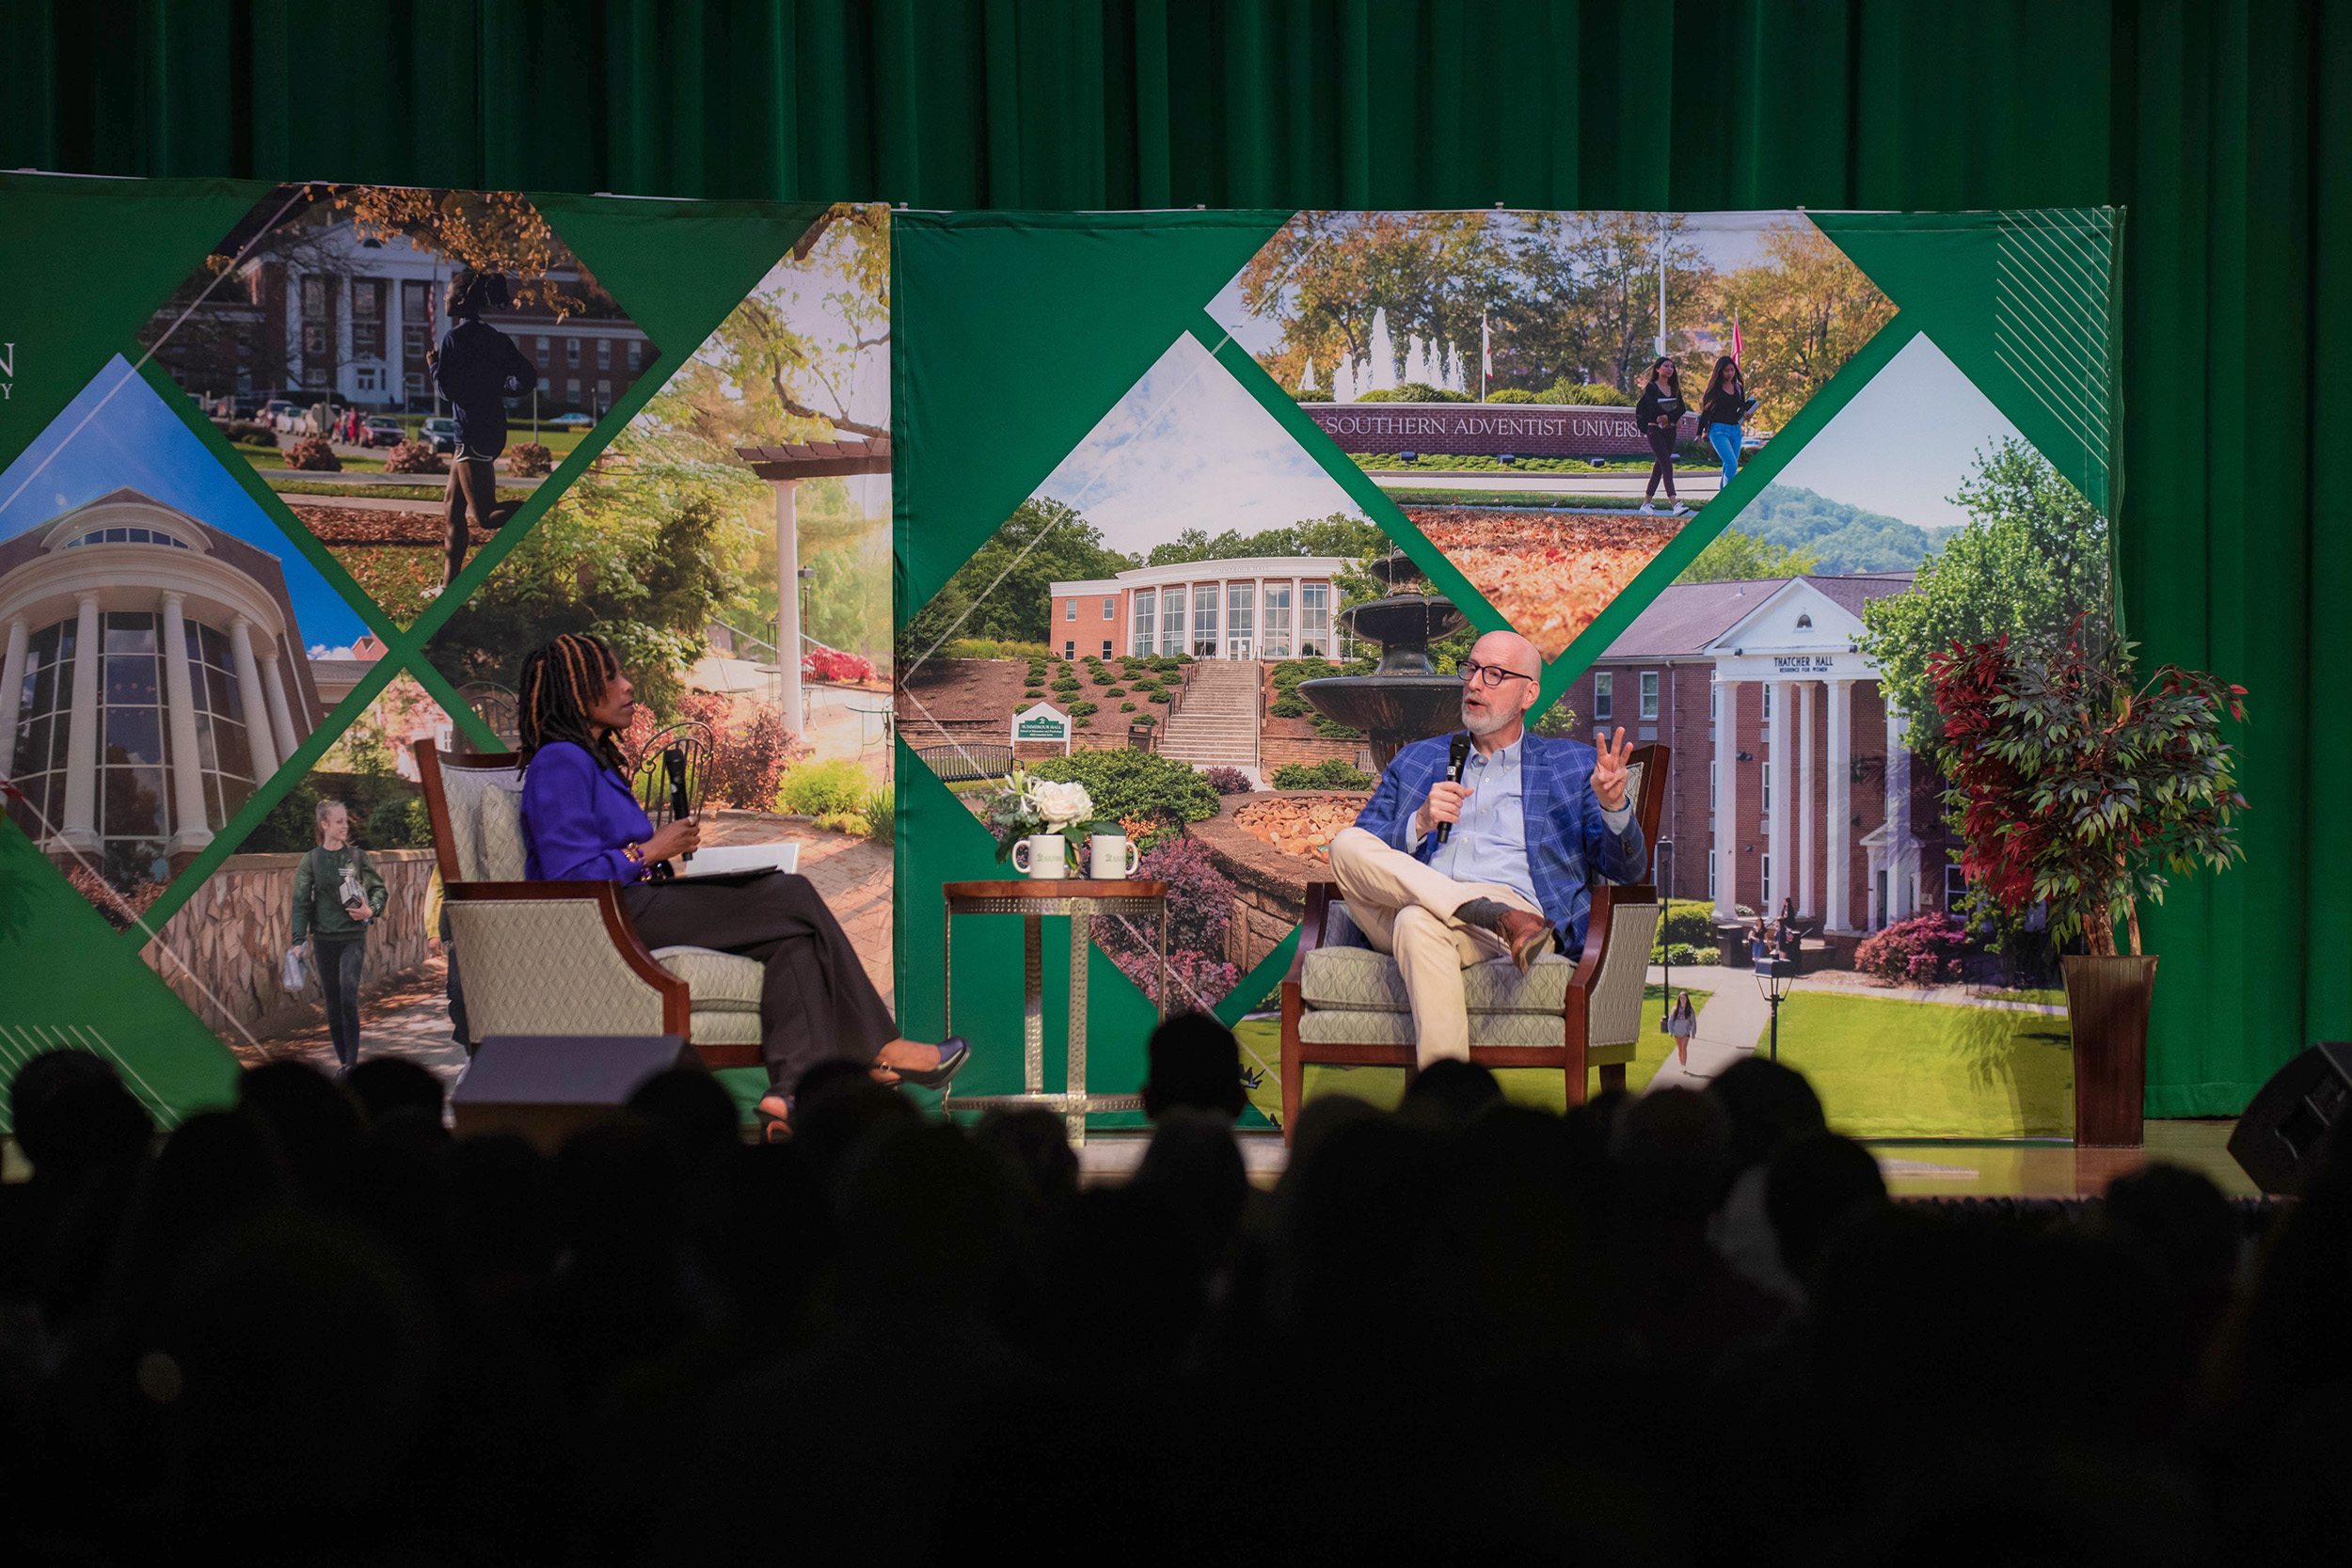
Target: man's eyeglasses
{"type": "Point", "coordinates": [1489, 675]}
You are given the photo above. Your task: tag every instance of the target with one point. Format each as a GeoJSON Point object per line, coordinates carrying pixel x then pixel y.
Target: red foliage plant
{"type": "Point", "coordinates": [750, 748]}
{"type": "Point", "coordinates": [2077, 788]}
{"type": "Point", "coordinates": [1920, 951]}
{"type": "Point", "coordinates": [832, 664]}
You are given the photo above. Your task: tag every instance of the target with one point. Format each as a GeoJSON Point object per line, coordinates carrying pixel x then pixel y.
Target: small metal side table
{"type": "Point", "coordinates": [1033, 900]}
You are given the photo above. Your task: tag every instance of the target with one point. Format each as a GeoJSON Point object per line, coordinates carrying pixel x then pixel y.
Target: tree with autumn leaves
{"type": "Point", "coordinates": [1572, 297]}
{"type": "Point", "coordinates": [2079, 789]}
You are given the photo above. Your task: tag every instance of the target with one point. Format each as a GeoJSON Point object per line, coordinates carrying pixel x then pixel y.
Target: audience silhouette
{"type": "Point", "coordinates": [1670, 1328]}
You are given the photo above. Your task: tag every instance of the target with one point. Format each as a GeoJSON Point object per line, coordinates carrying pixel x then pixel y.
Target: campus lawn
{"type": "Point", "coordinates": [1384, 1087]}
{"type": "Point", "coordinates": [1921, 1069]}
{"type": "Point", "coordinates": [432, 487]}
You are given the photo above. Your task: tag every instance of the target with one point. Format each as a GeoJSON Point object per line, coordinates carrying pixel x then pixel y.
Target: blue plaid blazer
{"type": "Point", "coordinates": [1567, 840]}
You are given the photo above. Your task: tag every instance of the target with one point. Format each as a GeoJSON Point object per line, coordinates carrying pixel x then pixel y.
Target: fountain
{"type": "Point", "coordinates": [1383, 362]}
{"type": "Point", "coordinates": [1404, 699]}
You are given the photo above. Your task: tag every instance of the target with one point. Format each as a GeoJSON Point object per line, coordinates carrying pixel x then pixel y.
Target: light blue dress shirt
{"type": "Point", "coordinates": [1489, 843]}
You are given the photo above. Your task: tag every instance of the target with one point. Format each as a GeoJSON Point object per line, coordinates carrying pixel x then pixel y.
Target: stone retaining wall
{"type": "Point", "coordinates": [1269, 887]}
{"type": "Point", "coordinates": [1277, 750]}
{"type": "Point", "coordinates": [232, 933]}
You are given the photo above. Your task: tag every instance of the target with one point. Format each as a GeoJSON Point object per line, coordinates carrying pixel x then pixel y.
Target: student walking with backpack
{"type": "Point", "coordinates": [337, 896]}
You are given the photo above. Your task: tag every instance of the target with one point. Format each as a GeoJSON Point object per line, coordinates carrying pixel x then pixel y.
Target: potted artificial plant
{"type": "Point", "coordinates": [2080, 789]}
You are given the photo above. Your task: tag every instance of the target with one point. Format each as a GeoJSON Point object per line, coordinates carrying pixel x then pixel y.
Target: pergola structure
{"type": "Point", "coordinates": [784, 469]}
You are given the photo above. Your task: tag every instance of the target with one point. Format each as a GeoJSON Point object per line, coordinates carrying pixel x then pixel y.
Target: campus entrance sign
{"type": "Point", "coordinates": [1487, 430]}
{"type": "Point", "coordinates": [1041, 722]}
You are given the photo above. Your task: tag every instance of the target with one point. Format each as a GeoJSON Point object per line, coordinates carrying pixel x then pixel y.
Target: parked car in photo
{"type": "Point", "coordinates": [440, 432]}
{"type": "Point", "coordinates": [1754, 440]}
{"type": "Point", "coordinates": [281, 414]}
{"type": "Point", "coordinates": [574, 418]}
{"type": "Point", "coordinates": [381, 432]}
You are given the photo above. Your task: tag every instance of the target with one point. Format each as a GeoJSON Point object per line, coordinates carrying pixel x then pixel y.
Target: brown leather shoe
{"type": "Point", "coordinates": [1529, 935]}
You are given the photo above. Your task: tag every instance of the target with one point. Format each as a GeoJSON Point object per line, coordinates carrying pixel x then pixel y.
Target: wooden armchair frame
{"type": "Point", "coordinates": [1569, 1056]}
{"type": "Point", "coordinates": [677, 1001]}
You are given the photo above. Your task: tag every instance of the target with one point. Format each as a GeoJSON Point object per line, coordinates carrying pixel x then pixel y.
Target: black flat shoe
{"type": "Point", "coordinates": [953, 1053]}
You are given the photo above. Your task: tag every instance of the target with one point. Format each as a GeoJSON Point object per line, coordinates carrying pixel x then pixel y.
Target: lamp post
{"type": "Point", "coordinates": [1662, 871]}
{"type": "Point", "coordinates": [1773, 975]}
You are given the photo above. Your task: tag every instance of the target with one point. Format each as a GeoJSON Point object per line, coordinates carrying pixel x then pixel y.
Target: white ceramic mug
{"type": "Point", "coordinates": [1114, 858]}
{"type": "Point", "coordinates": [1042, 857]}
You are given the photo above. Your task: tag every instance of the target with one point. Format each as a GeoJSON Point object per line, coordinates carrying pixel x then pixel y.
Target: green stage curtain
{"type": "Point", "coordinates": [2224, 126]}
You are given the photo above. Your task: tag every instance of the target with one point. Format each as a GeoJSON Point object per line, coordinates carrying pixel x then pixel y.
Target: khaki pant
{"type": "Point", "coordinates": [1407, 911]}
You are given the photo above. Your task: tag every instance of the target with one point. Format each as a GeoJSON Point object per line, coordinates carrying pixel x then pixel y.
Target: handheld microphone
{"type": "Point", "coordinates": [674, 762]}
{"type": "Point", "coordinates": [1456, 759]}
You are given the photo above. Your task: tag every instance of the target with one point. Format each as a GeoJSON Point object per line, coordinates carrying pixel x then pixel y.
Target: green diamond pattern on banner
{"type": "Point", "coordinates": [1014, 332]}
{"type": "Point", "coordinates": [95, 994]}
{"type": "Point", "coordinates": [2024, 303]}
{"type": "Point", "coordinates": [85, 261]}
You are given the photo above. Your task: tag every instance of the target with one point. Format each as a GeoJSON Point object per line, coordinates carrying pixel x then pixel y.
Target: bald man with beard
{"type": "Point", "coordinates": [1534, 819]}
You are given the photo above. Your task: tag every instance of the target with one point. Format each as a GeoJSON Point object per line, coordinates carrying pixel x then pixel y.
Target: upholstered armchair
{"type": "Point", "coordinates": [1344, 1005]}
{"type": "Point", "coordinates": [562, 958]}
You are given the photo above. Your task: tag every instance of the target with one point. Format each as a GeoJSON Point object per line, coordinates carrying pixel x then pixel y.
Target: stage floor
{"type": "Point", "coordinates": [1914, 1167]}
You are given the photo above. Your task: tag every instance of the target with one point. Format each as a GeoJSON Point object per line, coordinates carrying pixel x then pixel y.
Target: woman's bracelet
{"type": "Point", "coordinates": [636, 853]}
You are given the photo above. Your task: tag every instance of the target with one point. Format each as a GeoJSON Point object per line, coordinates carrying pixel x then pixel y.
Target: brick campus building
{"type": "Point", "coordinates": [1790, 777]}
{"type": "Point", "coordinates": [348, 319]}
{"type": "Point", "coordinates": [1267, 607]}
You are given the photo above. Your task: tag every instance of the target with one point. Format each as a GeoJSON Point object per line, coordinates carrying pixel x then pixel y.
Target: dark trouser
{"type": "Point", "coordinates": [816, 1003]}
{"type": "Point", "coordinates": [338, 964]}
{"type": "Point", "coordinates": [472, 492]}
{"type": "Point", "coordinates": [1662, 449]}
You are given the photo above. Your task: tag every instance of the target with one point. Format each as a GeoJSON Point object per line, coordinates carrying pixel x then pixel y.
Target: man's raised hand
{"type": "Point", "coordinates": [1609, 772]}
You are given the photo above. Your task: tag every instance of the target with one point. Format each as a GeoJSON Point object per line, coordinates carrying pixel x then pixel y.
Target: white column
{"type": "Point", "coordinates": [77, 827]}
{"type": "Point", "coordinates": [1840, 914]}
{"type": "Point", "coordinates": [280, 715]}
{"type": "Point", "coordinates": [1777, 815]}
{"type": "Point", "coordinates": [1298, 613]}
{"type": "Point", "coordinates": [250, 694]}
{"type": "Point", "coordinates": [1223, 616]}
{"type": "Point", "coordinates": [1901, 863]}
{"type": "Point", "coordinates": [187, 760]}
{"type": "Point", "coordinates": [1808, 889]}
{"type": "Point", "coordinates": [1725, 695]}
{"type": "Point", "coordinates": [789, 602]}
{"type": "Point", "coordinates": [11, 689]}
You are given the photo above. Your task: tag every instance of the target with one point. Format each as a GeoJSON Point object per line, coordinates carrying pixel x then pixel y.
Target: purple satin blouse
{"type": "Point", "coordinates": [577, 814]}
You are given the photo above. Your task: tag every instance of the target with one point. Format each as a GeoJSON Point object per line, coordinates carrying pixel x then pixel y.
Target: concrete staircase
{"type": "Point", "coordinates": [1217, 726]}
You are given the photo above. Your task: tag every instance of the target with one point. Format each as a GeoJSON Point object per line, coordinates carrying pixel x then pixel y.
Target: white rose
{"type": "Point", "coordinates": [1061, 804]}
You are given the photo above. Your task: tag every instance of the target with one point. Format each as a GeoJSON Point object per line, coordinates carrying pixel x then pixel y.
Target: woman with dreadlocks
{"type": "Point", "coordinates": [580, 823]}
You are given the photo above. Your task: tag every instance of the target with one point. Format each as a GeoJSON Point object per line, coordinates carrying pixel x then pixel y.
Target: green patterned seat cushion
{"type": "Point", "coordinates": [1342, 1027]}
{"type": "Point", "coordinates": [716, 1028]}
{"type": "Point", "coordinates": [717, 982]}
{"type": "Point", "coordinates": [1362, 980]}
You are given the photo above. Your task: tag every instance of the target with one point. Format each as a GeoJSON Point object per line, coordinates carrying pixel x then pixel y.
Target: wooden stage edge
{"type": "Point", "coordinates": [1914, 1167]}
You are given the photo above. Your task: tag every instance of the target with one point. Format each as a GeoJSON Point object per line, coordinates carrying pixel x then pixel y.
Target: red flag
{"type": "Point", "coordinates": [1736, 351]}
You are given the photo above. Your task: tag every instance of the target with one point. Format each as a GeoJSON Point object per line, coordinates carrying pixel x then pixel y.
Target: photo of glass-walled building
{"type": "Point", "coordinates": [154, 676]}
{"type": "Point", "coordinates": [1269, 607]}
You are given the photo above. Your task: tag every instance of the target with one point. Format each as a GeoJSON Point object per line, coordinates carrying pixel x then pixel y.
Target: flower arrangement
{"type": "Point", "coordinates": [1024, 806]}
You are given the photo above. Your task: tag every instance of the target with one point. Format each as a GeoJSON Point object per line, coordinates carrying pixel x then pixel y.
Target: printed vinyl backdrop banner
{"type": "Point", "coordinates": [1232, 429]}
{"type": "Point", "coordinates": [202, 681]}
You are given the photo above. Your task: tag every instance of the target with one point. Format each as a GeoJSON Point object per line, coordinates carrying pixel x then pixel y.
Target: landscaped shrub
{"type": "Point", "coordinates": [1511, 394]}
{"type": "Point", "coordinates": [1331, 773]}
{"type": "Point", "coordinates": [1687, 920]}
{"type": "Point", "coordinates": [1195, 981]}
{"type": "Point", "coordinates": [881, 815]}
{"type": "Point", "coordinates": [1034, 694]}
{"type": "Point", "coordinates": [1080, 710]}
{"type": "Point", "coordinates": [1066, 685]}
{"type": "Point", "coordinates": [1200, 904]}
{"type": "Point", "coordinates": [1100, 676]}
{"type": "Point", "coordinates": [1126, 707]}
{"type": "Point", "coordinates": [246, 432]}
{"type": "Point", "coordinates": [315, 455]}
{"type": "Point", "coordinates": [1332, 729]}
{"type": "Point", "coordinates": [1143, 720]}
{"type": "Point", "coordinates": [1682, 955]}
{"type": "Point", "coordinates": [415, 457]}
{"type": "Point", "coordinates": [1289, 706]}
{"type": "Point", "coordinates": [1114, 691]}
{"type": "Point", "coordinates": [529, 459]}
{"type": "Point", "coordinates": [1229, 781]}
{"type": "Point", "coordinates": [989, 647]}
{"type": "Point", "coordinates": [1136, 783]}
{"type": "Point", "coordinates": [830, 664]}
{"type": "Point", "coordinates": [1159, 694]}
{"type": "Point", "coordinates": [834, 787]}
{"type": "Point", "coordinates": [1167, 663]}
{"type": "Point", "coordinates": [1921, 951]}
